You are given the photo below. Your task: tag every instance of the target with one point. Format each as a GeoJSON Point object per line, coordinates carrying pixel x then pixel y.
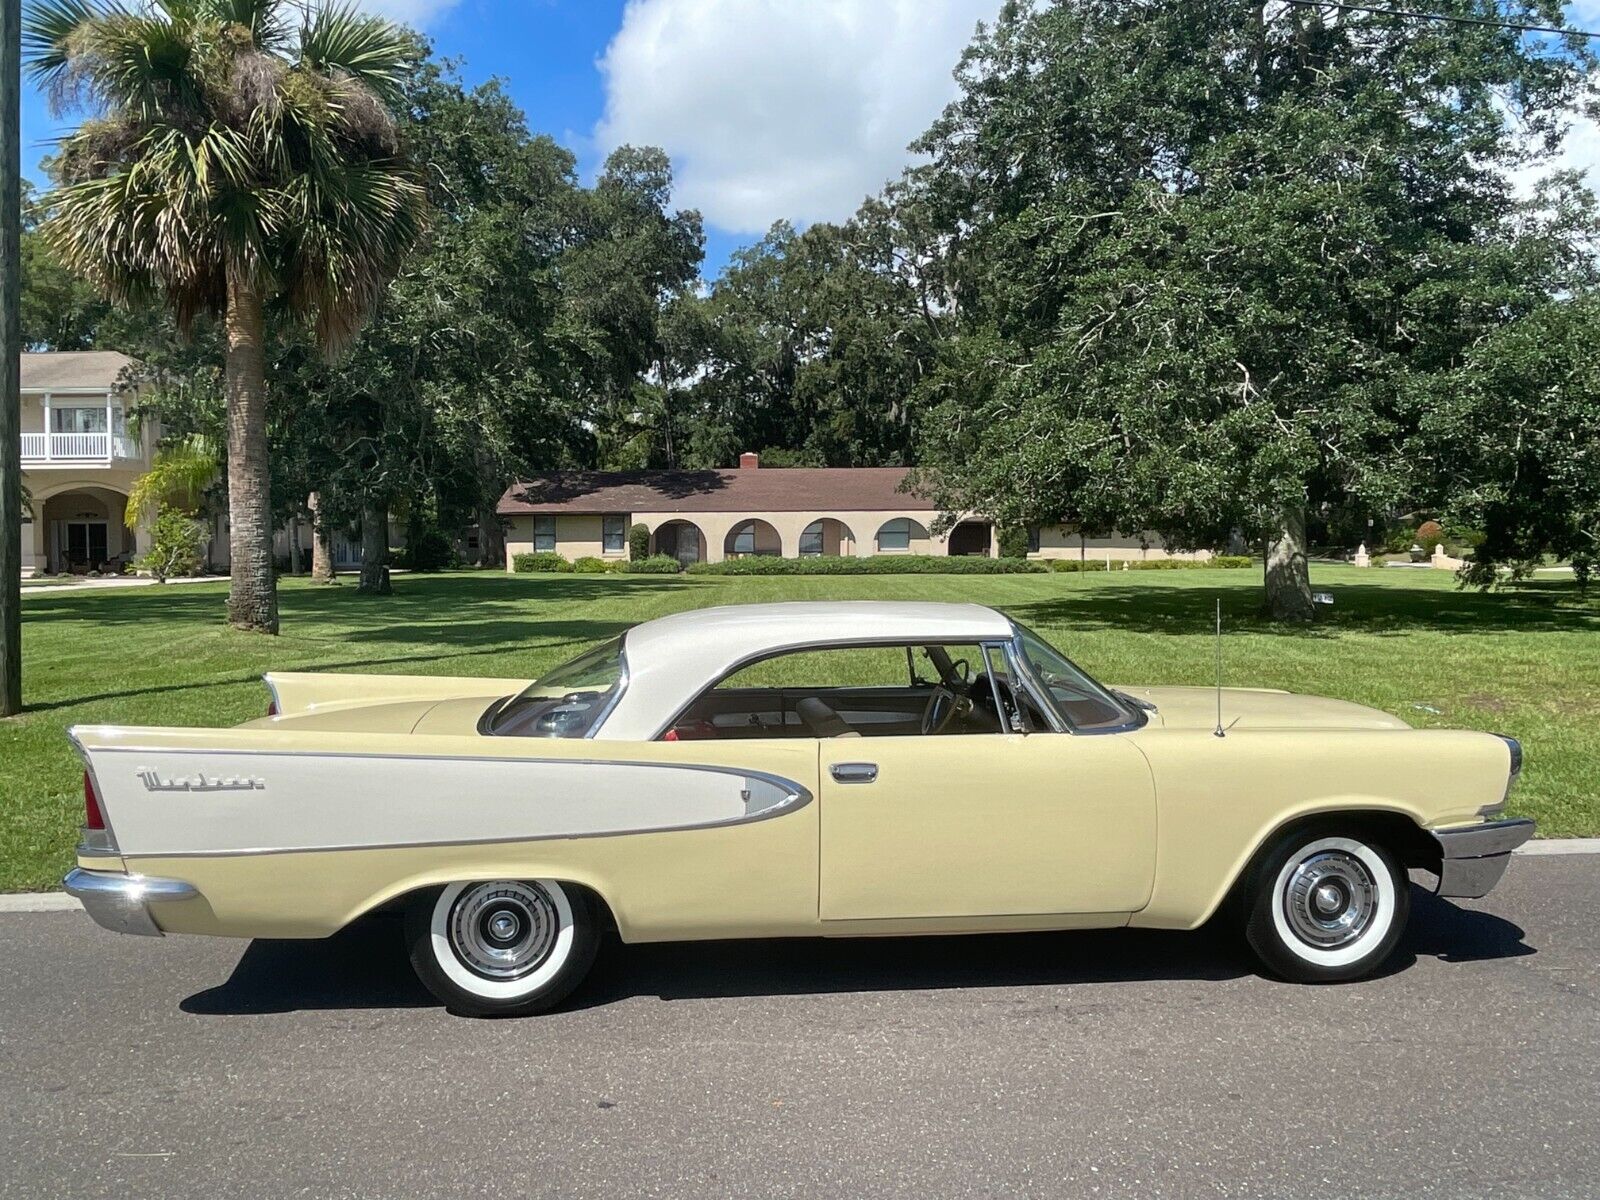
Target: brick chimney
{"type": "Point", "coordinates": [749, 461]}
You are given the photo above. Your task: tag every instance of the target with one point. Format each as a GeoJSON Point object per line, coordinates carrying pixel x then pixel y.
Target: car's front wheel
{"type": "Point", "coordinates": [1326, 904]}
{"type": "Point", "coordinates": [502, 948]}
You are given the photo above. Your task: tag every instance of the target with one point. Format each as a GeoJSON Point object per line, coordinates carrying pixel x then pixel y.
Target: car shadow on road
{"type": "Point", "coordinates": [365, 966]}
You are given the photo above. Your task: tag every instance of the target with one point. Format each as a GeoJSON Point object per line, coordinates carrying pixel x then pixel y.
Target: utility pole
{"type": "Point", "coordinates": [10, 358]}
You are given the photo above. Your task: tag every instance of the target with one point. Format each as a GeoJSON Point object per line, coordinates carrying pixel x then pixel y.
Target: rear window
{"type": "Point", "coordinates": [568, 701]}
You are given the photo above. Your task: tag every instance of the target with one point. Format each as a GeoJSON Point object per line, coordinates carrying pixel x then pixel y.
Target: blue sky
{"type": "Point", "coordinates": [793, 109]}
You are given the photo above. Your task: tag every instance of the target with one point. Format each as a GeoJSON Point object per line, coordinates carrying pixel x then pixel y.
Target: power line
{"type": "Point", "coordinates": [1452, 20]}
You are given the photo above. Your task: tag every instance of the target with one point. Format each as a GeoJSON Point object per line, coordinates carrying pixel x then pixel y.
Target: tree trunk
{"type": "Point", "coordinates": [11, 528]}
{"type": "Point", "coordinates": [252, 588]}
{"type": "Point", "coordinates": [374, 549]}
{"type": "Point", "coordinates": [294, 544]}
{"type": "Point", "coordinates": [1288, 579]}
{"type": "Point", "coordinates": [322, 570]}
{"type": "Point", "coordinates": [491, 539]}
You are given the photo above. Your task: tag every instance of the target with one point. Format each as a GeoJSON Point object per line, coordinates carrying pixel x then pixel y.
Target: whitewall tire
{"type": "Point", "coordinates": [1326, 904]}
{"type": "Point", "coordinates": [502, 947]}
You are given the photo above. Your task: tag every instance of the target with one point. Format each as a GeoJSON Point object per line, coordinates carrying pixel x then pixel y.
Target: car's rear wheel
{"type": "Point", "coordinates": [502, 948]}
{"type": "Point", "coordinates": [1326, 904]}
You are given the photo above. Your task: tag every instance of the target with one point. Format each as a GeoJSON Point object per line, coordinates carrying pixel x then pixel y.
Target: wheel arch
{"type": "Point", "coordinates": [397, 897]}
{"type": "Point", "coordinates": [1393, 827]}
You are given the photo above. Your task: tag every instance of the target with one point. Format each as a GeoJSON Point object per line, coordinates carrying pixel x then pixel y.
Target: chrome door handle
{"type": "Point", "coordinates": [854, 772]}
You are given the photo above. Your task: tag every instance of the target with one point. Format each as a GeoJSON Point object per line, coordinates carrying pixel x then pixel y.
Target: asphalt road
{"type": "Point", "coordinates": [1134, 1064]}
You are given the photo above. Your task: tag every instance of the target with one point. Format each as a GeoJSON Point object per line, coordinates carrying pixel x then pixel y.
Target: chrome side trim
{"type": "Point", "coordinates": [798, 797]}
{"type": "Point", "coordinates": [1515, 749]}
{"type": "Point", "coordinates": [121, 902]}
{"type": "Point", "coordinates": [96, 843]}
{"type": "Point", "coordinates": [1472, 860]}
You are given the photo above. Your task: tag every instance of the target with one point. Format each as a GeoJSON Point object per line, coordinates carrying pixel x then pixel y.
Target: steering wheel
{"type": "Point", "coordinates": [943, 706]}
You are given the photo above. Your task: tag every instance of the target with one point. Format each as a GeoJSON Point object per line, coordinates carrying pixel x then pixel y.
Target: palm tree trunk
{"type": "Point", "coordinates": [1288, 578]}
{"type": "Point", "coordinates": [253, 587]}
{"type": "Point", "coordinates": [374, 548]}
{"type": "Point", "coordinates": [322, 570]}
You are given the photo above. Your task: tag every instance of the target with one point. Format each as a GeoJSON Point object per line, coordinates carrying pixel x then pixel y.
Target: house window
{"type": "Point", "coordinates": [614, 533]}
{"type": "Point", "coordinates": [544, 533]}
{"type": "Point", "coordinates": [79, 420]}
{"type": "Point", "coordinates": [895, 535]}
{"type": "Point", "coordinates": [744, 540]}
{"type": "Point", "coordinates": [1033, 539]}
{"type": "Point", "coordinates": [811, 540]}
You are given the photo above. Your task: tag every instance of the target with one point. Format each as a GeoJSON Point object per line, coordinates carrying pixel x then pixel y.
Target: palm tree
{"type": "Point", "coordinates": [230, 161]}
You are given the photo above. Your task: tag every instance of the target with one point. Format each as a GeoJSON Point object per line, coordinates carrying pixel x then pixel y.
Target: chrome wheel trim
{"type": "Point", "coordinates": [534, 963]}
{"type": "Point", "coordinates": [503, 930]}
{"type": "Point", "coordinates": [1330, 898]}
{"type": "Point", "coordinates": [1341, 933]}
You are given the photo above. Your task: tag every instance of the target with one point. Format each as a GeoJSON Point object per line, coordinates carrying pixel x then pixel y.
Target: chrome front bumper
{"type": "Point", "coordinates": [121, 903]}
{"type": "Point", "coordinates": [1473, 859]}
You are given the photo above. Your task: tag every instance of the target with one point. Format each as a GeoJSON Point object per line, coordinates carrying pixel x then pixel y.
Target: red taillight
{"type": "Point", "coordinates": [272, 708]}
{"type": "Point", "coordinates": [93, 818]}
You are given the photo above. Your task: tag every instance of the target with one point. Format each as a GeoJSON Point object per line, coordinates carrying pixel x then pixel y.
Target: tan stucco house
{"type": "Point", "coordinates": [707, 516]}
{"type": "Point", "coordinates": [80, 457]}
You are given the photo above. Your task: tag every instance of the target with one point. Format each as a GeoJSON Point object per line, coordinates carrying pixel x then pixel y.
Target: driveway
{"type": "Point", "coordinates": [1126, 1064]}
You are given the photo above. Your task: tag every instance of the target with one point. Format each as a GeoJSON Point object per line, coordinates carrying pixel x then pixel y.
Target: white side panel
{"type": "Point", "coordinates": [162, 802]}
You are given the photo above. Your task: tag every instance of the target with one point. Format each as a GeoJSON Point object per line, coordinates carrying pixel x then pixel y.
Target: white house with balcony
{"type": "Point", "coordinates": [80, 457]}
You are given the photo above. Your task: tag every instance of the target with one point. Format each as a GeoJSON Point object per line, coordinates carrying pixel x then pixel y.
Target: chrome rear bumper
{"type": "Point", "coordinates": [121, 903]}
{"type": "Point", "coordinates": [1472, 860]}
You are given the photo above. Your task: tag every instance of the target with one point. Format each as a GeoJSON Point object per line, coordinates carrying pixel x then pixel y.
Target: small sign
{"type": "Point", "coordinates": [1322, 597]}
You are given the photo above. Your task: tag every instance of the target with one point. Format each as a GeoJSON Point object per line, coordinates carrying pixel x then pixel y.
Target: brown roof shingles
{"type": "Point", "coordinates": [98, 369]}
{"type": "Point", "coordinates": [772, 489]}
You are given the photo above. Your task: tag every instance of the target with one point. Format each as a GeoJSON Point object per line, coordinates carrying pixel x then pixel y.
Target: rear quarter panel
{"type": "Point", "coordinates": [1219, 799]}
{"type": "Point", "coordinates": [309, 830]}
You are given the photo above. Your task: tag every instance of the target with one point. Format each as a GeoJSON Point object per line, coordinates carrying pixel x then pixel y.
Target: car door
{"type": "Point", "coordinates": [1003, 824]}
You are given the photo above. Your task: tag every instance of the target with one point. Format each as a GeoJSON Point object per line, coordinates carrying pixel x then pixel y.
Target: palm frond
{"type": "Point", "coordinates": [179, 474]}
{"type": "Point", "coordinates": [263, 18]}
{"type": "Point", "coordinates": [339, 39]}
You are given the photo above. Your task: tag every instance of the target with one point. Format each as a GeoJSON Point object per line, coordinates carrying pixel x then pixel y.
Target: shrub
{"type": "Point", "coordinates": [883, 564]}
{"type": "Point", "coordinates": [540, 561]}
{"type": "Point", "coordinates": [590, 565]}
{"type": "Point", "coordinates": [429, 550]}
{"type": "Point", "coordinates": [1012, 541]}
{"type": "Point", "coordinates": [638, 541]}
{"type": "Point", "coordinates": [1153, 564]}
{"type": "Point", "coordinates": [655, 564]}
{"type": "Point", "coordinates": [1429, 535]}
{"type": "Point", "coordinates": [174, 546]}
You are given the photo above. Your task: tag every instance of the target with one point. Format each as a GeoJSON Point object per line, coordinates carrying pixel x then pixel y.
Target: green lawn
{"type": "Point", "coordinates": [1525, 661]}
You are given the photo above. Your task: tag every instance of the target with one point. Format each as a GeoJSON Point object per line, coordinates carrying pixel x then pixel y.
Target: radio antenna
{"type": "Point", "coordinates": [1218, 731]}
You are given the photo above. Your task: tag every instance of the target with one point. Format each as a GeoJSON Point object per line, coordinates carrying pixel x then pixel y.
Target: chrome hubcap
{"type": "Point", "coordinates": [503, 930]}
{"type": "Point", "coordinates": [1331, 899]}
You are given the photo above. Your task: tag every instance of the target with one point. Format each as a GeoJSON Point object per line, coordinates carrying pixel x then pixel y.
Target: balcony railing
{"type": "Point", "coordinates": [79, 447]}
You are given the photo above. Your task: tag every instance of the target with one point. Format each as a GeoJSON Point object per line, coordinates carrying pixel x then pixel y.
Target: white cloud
{"type": "Point", "coordinates": [416, 13]}
{"type": "Point", "coordinates": [771, 108]}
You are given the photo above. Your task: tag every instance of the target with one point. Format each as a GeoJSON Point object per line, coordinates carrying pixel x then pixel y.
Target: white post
{"type": "Point", "coordinates": [49, 434]}
{"type": "Point", "coordinates": [109, 434]}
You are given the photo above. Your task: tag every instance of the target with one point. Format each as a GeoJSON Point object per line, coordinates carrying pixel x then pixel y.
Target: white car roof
{"type": "Point", "coordinates": [673, 659]}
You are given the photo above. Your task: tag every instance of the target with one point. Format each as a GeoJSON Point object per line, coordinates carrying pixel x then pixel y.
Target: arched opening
{"type": "Point", "coordinates": [969, 539]}
{"type": "Point", "coordinates": [826, 536]}
{"type": "Point", "coordinates": [902, 535]}
{"type": "Point", "coordinates": [753, 538]}
{"type": "Point", "coordinates": [81, 530]}
{"type": "Point", "coordinates": [681, 540]}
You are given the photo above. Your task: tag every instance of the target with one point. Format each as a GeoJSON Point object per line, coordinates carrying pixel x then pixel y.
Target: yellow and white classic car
{"type": "Point", "coordinates": [786, 770]}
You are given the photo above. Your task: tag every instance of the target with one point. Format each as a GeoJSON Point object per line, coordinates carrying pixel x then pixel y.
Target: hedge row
{"type": "Point", "coordinates": [1233, 561]}
{"type": "Point", "coordinates": [548, 561]}
{"type": "Point", "coordinates": [883, 564]}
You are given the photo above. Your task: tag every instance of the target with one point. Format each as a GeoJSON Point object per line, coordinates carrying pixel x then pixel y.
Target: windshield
{"type": "Point", "coordinates": [1082, 701]}
{"type": "Point", "coordinates": [566, 701]}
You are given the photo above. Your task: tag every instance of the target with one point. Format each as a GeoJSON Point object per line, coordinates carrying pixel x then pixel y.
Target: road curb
{"type": "Point", "coordinates": [29, 902]}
